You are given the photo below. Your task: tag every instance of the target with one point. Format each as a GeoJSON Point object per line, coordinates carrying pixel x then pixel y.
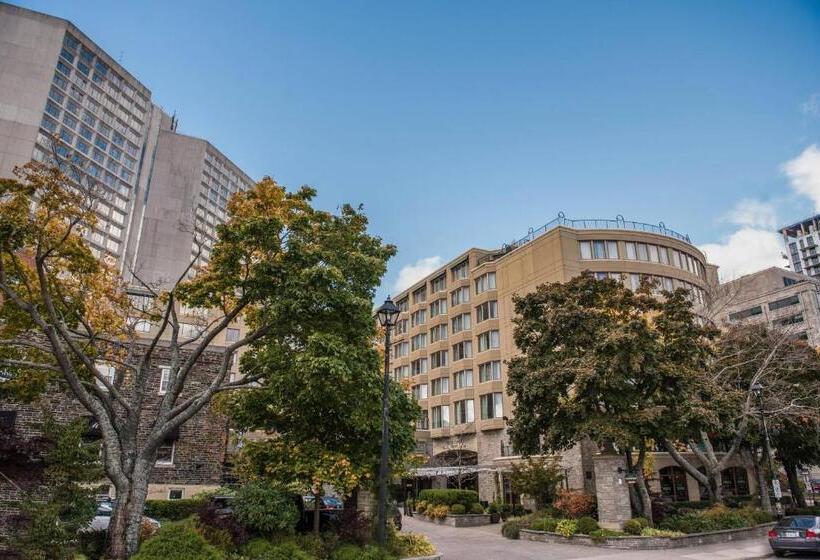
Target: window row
{"type": "Point", "coordinates": [464, 411]}
{"type": "Point", "coordinates": [487, 340]}
{"type": "Point", "coordinates": [633, 282]}
{"type": "Point", "coordinates": [487, 371]}
{"type": "Point", "coordinates": [608, 249]}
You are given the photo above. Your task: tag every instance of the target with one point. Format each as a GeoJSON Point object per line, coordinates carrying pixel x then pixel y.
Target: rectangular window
{"type": "Point", "coordinates": [401, 326]}
{"type": "Point", "coordinates": [488, 340]}
{"type": "Point", "coordinates": [460, 323]}
{"type": "Point", "coordinates": [459, 296]}
{"type": "Point", "coordinates": [419, 392]}
{"type": "Point", "coordinates": [491, 406]}
{"type": "Point", "coordinates": [417, 367]}
{"type": "Point", "coordinates": [746, 313]}
{"type": "Point", "coordinates": [438, 307]}
{"type": "Point", "coordinates": [463, 411]}
{"type": "Point", "coordinates": [164, 378]}
{"type": "Point", "coordinates": [418, 317]}
{"type": "Point", "coordinates": [462, 350]}
{"type": "Point", "coordinates": [461, 270]}
{"type": "Point", "coordinates": [401, 349]}
{"type": "Point", "coordinates": [420, 295]}
{"type": "Point", "coordinates": [231, 335]}
{"type": "Point", "coordinates": [439, 284]}
{"type": "Point", "coordinates": [165, 453]}
{"type": "Point", "coordinates": [176, 493]}
{"type": "Point", "coordinates": [790, 320]}
{"type": "Point", "coordinates": [663, 253]}
{"type": "Point", "coordinates": [143, 326]}
{"type": "Point", "coordinates": [485, 282]}
{"type": "Point", "coordinates": [643, 252]}
{"type": "Point", "coordinates": [108, 371]}
{"type": "Point", "coordinates": [487, 310]}
{"type": "Point", "coordinates": [462, 379]}
{"type": "Point", "coordinates": [785, 302]}
{"type": "Point", "coordinates": [653, 254]}
{"type": "Point", "coordinates": [631, 251]}
{"type": "Point", "coordinates": [418, 342]}
{"type": "Point", "coordinates": [440, 386]}
{"type": "Point", "coordinates": [401, 372]}
{"type": "Point", "coordinates": [586, 249]}
{"type": "Point", "coordinates": [440, 416]}
{"type": "Point", "coordinates": [438, 359]}
{"type": "Point", "coordinates": [489, 371]}
{"type": "Point", "coordinates": [437, 333]}
{"type": "Point", "coordinates": [423, 423]}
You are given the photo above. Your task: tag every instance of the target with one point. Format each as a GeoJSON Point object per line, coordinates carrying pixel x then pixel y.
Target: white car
{"type": "Point", "coordinates": [103, 518]}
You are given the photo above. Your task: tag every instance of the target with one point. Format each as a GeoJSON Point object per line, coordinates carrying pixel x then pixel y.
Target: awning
{"type": "Point", "coordinates": [430, 472]}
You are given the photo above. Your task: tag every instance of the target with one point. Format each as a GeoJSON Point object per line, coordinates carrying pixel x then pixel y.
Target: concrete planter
{"type": "Point", "coordinates": [630, 542]}
{"type": "Point", "coordinates": [466, 520]}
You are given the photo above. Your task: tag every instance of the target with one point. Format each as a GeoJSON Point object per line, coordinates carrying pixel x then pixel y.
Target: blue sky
{"type": "Point", "coordinates": [463, 124]}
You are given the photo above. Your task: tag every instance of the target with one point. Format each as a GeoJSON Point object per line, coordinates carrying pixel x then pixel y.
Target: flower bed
{"type": "Point", "coordinates": [465, 520]}
{"type": "Point", "coordinates": [456, 508]}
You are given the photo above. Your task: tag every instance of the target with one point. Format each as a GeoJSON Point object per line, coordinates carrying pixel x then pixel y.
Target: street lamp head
{"type": "Point", "coordinates": [387, 313]}
{"type": "Point", "coordinates": [757, 389]}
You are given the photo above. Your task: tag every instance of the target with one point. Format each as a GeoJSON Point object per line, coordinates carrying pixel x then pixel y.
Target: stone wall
{"type": "Point", "coordinates": [612, 491]}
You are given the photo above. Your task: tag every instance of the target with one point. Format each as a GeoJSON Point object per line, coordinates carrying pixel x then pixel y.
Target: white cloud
{"type": "Point", "coordinates": [744, 251]}
{"type": "Point", "coordinates": [811, 106]}
{"type": "Point", "coordinates": [753, 213]}
{"type": "Point", "coordinates": [412, 273]}
{"type": "Point", "coordinates": [804, 174]}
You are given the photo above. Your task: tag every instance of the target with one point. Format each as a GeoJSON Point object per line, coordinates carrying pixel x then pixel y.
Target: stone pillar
{"type": "Point", "coordinates": [612, 491]}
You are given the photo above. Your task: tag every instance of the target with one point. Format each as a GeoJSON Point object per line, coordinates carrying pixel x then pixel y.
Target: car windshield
{"type": "Point", "coordinates": [797, 522]}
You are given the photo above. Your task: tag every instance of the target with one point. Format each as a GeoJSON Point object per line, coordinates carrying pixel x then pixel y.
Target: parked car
{"type": "Point", "coordinates": [102, 519]}
{"type": "Point", "coordinates": [815, 486]}
{"type": "Point", "coordinates": [797, 533]}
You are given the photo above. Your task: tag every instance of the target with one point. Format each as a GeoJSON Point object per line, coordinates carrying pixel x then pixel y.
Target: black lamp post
{"type": "Point", "coordinates": [386, 314]}
{"type": "Point", "coordinates": [757, 391]}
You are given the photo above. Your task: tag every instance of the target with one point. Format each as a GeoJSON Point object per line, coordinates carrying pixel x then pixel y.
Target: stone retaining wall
{"type": "Point", "coordinates": [651, 543]}
{"type": "Point", "coordinates": [466, 520]}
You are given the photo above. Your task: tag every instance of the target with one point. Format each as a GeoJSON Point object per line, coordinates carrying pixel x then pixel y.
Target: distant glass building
{"type": "Point", "coordinates": [801, 241]}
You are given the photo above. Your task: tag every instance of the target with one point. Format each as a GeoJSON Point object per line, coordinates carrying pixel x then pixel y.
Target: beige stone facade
{"type": "Point", "coordinates": [455, 332]}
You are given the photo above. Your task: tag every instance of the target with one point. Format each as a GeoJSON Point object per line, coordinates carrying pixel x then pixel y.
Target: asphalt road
{"type": "Point", "coordinates": [486, 543]}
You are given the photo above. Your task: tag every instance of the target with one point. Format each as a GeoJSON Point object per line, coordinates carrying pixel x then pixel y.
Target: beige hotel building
{"type": "Point", "coordinates": [455, 334]}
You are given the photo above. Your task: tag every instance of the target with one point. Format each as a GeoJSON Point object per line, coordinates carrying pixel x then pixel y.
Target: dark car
{"type": "Point", "coordinates": [798, 533]}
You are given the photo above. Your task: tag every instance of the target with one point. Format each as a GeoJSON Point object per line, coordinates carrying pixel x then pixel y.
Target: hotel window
{"type": "Point", "coordinates": [439, 284]}
{"type": "Point", "coordinates": [404, 304]}
{"type": "Point", "coordinates": [401, 349]}
{"type": "Point", "coordinates": [485, 282]}
{"type": "Point", "coordinates": [599, 249]}
{"type": "Point", "coordinates": [462, 350]}
{"type": "Point", "coordinates": [790, 320]}
{"type": "Point", "coordinates": [417, 367]}
{"type": "Point", "coordinates": [420, 295]}
{"type": "Point", "coordinates": [440, 386]}
{"type": "Point", "coordinates": [143, 326]}
{"type": "Point", "coordinates": [401, 372]}
{"type": "Point", "coordinates": [418, 317]}
{"type": "Point", "coordinates": [487, 310]}
{"type": "Point", "coordinates": [165, 453]}
{"type": "Point", "coordinates": [418, 342]}
{"type": "Point", "coordinates": [108, 371]}
{"type": "Point", "coordinates": [488, 340]}
{"type": "Point", "coordinates": [746, 313]}
{"type": "Point", "coordinates": [440, 416]}
{"type": "Point", "coordinates": [231, 335]}
{"type": "Point", "coordinates": [459, 296]}
{"type": "Point", "coordinates": [785, 302]}
{"type": "Point", "coordinates": [401, 326]}
{"type": "Point", "coordinates": [643, 252]}
{"type": "Point", "coordinates": [438, 359]}
{"type": "Point", "coordinates": [463, 411]}
{"type": "Point", "coordinates": [460, 323]}
{"type": "Point", "coordinates": [489, 371]}
{"type": "Point", "coordinates": [668, 284]}
{"type": "Point", "coordinates": [419, 392]}
{"type": "Point", "coordinates": [189, 330]}
{"type": "Point", "coordinates": [491, 406]}
{"type": "Point", "coordinates": [423, 423]}
{"type": "Point", "coordinates": [663, 252]}
{"type": "Point", "coordinates": [438, 307]}
{"type": "Point", "coordinates": [653, 253]}
{"type": "Point", "coordinates": [437, 333]}
{"type": "Point", "coordinates": [461, 270]}
{"type": "Point", "coordinates": [634, 281]}
{"type": "Point", "coordinates": [462, 379]}
{"type": "Point", "coordinates": [164, 378]}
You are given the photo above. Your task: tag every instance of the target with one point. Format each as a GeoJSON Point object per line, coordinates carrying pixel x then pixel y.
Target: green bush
{"type": "Point", "coordinates": [756, 516]}
{"type": "Point", "coordinates": [492, 508]}
{"type": "Point", "coordinates": [689, 523]}
{"type": "Point", "coordinates": [512, 529]}
{"type": "Point", "coordinates": [600, 535]}
{"type": "Point", "coordinates": [257, 548]}
{"type": "Point", "coordinates": [173, 510]}
{"type": "Point", "coordinates": [353, 552]}
{"type": "Point", "coordinates": [726, 518]}
{"type": "Point", "coordinates": [633, 527]}
{"type": "Point", "coordinates": [449, 497]}
{"type": "Point", "coordinates": [547, 524]}
{"type": "Point", "coordinates": [286, 551]}
{"type": "Point", "coordinates": [476, 509]}
{"type": "Point", "coordinates": [567, 527]}
{"type": "Point", "coordinates": [265, 509]}
{"type": "Point", "coordinates": [457, 509]}
{"type": "Point", "coordinates": [587, 525]}
{"type": "Point", "coordinates": [410, 544]}
{"type": "Point", "coordinates": [177, 541]}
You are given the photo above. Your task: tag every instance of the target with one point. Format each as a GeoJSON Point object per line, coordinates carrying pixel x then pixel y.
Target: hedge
{"type": "Point", "coordinates": [449, 497]}
{"type": "Point", "coordinates": [173, 510]}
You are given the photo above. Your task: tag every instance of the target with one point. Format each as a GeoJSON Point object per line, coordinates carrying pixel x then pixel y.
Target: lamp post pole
{"type": "Point", "coordinates": [386, 314]}
{"type": "Point", "coordinates": [757, 388]}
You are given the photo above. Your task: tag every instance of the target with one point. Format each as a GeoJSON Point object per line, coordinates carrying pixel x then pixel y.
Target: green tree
{"type": "Point", "coordinates": [278, 264]}
{"type": "Point", "coordinates": [53, 513]}
{"type": "Point", "coordinates": [600, 361]}
{"type": "Point", "coordinates": [538, 478]}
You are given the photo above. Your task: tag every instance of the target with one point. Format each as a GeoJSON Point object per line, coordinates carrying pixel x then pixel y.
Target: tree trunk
{"type": "Point", "coordinates": [715, 487]}
{"type": "Point", "coordinates": [317, 498]}
{"type": "Point", "coordinates": [646, 501]}
{"type": "Point", "coordinates": [634, 498]}
{"type": "Point", "coordinates": [794, 484]}
{"type": "Point", "coordinates": [762, 486]}
{"type": "Point", "coordinates": [124, 529]}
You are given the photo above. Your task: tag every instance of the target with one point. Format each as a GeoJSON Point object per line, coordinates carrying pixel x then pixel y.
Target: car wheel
{"type": "Point", "coordinates": [780, 553]}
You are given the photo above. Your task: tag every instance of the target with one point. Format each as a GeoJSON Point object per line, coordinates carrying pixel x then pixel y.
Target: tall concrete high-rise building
{"type": "Point", "coordinates": [455, 334]}
{"type": "Point", "coordinates": [802, 240]}
{"type": "Point", "coordinates": [62, 97]}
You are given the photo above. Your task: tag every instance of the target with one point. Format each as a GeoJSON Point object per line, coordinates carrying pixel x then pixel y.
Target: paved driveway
{"type": "Point", "coordinates": [486, 543]}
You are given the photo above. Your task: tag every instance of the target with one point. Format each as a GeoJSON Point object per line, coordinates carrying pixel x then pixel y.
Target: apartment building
{"type": "Point", "coordinates": [775, 297]}
{"type": "Point", "coordinates": [455, 334]}
{"type": "Point", "coordinates": [801, 240]}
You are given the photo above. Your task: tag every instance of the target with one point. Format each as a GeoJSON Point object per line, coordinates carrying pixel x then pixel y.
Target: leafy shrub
{"type": "Point", "coordinates": [756, 516]}
{"type": "Point", "coordinates": [286, 551]}
{"type": "Point", "coordinates": [547, 524]}
{"type": "Point", "coordinates": [315, 545]}
{"type": "Point", "coordinates": [725, 518]}
{"type": "Point", "coordinates": [476, 509]}
{"type": "Point", "coordinates": [458, 509]}
{"type": "Point", "coordinates": [512, 529]}
{"type": "Point", "coordinates": [689, 523]}
{"type": "Point", "coordinates": [92, 543]}
{"type": "Point", "coordinates": [421, 505]}
{"type": "Point", "coordinates": [586, 525]}
{"type": "Point", "coordinates": [449, 497]}
{"type": "Point", "coordinates": [257, 548]}
{"type": "Point", "coordinates": [738, 501]}
{"type": "Point", "coordinates": [437, 512]}
{"type": "Point", "coordinates": [220, 529]}
{"type": "Point", "coordinates": [633, 527]}
{"type": "Point", "coordinates": [266, 509]}
{"type": "Point", "coordinates": [652, 532]}
{"type": "Point", "coordinates": [566, 527]}
{"type": "Point", "coordinates": [600, 535]}
{"type": "Point", "coordinates": [353, 552]}
{"type": "Point", "coordinates": [353, 526]}
{"type": "Point", "coordinates": [177, 541]}
{"type": "Point", "coordinates": [410, 544]}
{"type": "Point", "coordinates": [492, 508]}
{"type": "Point", "coordinates": [173, 510]}
{"type": "Point", "coordinates": [574, 504]}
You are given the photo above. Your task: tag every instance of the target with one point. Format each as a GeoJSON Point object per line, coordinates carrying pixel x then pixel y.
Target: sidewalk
{"type": "Point", "coordinates": [486, 543]}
